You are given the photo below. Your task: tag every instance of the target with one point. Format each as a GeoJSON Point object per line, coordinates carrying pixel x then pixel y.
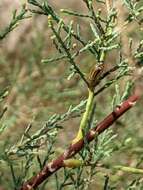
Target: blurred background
{"type": "Point", "coordinates": [38, 90]}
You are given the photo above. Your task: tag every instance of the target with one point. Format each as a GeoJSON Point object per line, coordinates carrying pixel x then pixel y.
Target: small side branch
{"type": "Point", "coordinates": [71, 60]}
{"type": "Point", "coordinates": [73, 149]}
{"type": "Point", "coordinates": [16, 18]}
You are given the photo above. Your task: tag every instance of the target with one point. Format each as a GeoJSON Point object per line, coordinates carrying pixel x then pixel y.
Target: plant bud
{"type": "Point", "coordinates": [94, 76]}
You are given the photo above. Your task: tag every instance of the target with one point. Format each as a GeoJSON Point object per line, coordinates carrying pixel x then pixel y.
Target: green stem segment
{"type": "Point", "coordinates": [129, 169]}
{"type": "Point", "coordinates": [86, 116]}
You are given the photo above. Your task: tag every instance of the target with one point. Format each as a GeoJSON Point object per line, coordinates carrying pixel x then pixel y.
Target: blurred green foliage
{"type": "Point", "coordinates": [40, 109]}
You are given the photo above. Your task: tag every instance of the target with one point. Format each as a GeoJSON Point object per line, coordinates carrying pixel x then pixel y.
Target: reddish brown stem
{"type": "Point", "coordinates": [58, 163]}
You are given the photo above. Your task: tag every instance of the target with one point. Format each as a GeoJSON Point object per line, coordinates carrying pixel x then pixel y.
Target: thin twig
{"type": "Point", "coordinates": [68, 54]}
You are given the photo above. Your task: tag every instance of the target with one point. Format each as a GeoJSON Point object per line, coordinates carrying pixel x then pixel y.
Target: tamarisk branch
{"type": "Point", "coordinates": [58, 163]}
